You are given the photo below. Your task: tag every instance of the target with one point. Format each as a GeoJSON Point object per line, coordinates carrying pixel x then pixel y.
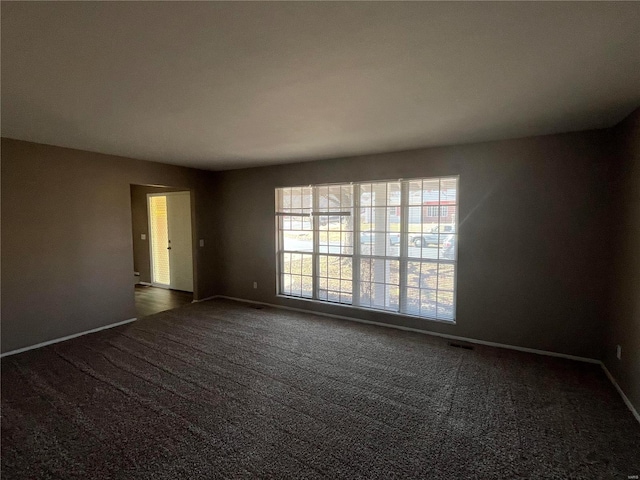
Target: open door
{"type": "Point", "coordinates": [170, 243]}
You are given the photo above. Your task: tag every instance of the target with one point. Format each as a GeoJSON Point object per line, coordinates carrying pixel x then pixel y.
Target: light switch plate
{"type": "Point", "coordinates": [201, 242]}
{"type": "Point", "coordinates": [143, 236]}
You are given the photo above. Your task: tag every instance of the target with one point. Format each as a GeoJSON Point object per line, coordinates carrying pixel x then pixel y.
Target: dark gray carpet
{"type": "Point", "coordinates": [223, 390]}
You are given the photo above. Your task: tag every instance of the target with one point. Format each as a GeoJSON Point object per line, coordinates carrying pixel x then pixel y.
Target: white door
{"type": "Point", "coordinates": [170, 240]}
{"type": "Point", "coordinates": [180, 242]}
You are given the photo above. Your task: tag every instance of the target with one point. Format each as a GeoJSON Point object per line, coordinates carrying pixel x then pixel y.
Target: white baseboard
{"type": "Point", "coordinates": [204, 299]}
{"type": "Point", "coordinates": [424, 332]}
{"type": "Point", "coordinates": [68, 337]}
{"type": "Point", "coordinates": [624, 397]}
{"type": "Point", "coordinates": [147, 284]}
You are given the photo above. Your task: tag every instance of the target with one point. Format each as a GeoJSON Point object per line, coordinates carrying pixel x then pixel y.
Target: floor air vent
{"type": "Point", "coordinates": [460, 345]}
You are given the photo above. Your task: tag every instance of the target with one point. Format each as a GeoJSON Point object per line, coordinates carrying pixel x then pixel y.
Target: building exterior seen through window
{"type": "Point", "coordinates": [380, 245]}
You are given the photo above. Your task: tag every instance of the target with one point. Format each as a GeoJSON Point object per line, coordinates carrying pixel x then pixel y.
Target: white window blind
{"type": "Point", "coordinates": [382, 245]}
{"type": "Point", "coordinates": [159, 239]}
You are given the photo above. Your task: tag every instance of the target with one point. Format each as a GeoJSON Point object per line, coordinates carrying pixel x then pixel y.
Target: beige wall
{"type": "Point", "coordinates": [140, 225]}
{"type": "Point", "coordinates": [624, 327]}
{"type": "Point", "coordinates": [534, 224]}
{"type": "Point", "coordinates": [67, 255]}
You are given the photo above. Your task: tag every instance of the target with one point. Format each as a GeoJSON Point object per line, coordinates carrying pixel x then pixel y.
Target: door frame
{"type": "Point", "coordinates": [193, 250]}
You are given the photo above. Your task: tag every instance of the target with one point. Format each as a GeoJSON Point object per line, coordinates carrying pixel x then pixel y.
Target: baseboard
{"type": "Point", "coordinates": [424, 332]}
{"type": "Point", "coordinates": [622, 394]}
{"type": "Point", "coordinates": [68, 337]}
{"type": "Point", "coordinates": [146, 284]}
{"type": "Point", "coordinates": [204, 299]}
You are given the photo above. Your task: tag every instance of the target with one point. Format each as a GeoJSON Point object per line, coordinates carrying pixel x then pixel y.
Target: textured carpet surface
{"type": "Point", "coordinates": [223, 390]}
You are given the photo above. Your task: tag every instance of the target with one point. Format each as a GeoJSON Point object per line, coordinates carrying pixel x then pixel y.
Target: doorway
{"type": "Point", "coordinates": [162, 248]}
{"type": "Point", "coordinates": [170, 240]}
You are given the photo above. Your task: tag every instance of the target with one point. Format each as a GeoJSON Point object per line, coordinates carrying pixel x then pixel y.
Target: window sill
{"type": "Point", "coordinates": [365, 309]}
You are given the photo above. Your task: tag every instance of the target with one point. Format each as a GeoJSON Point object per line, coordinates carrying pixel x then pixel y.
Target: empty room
{"type": "Point", "coordinates": [328, 240]}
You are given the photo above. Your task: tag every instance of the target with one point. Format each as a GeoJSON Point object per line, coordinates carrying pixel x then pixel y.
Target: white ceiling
{"type": "Point", "coordinates": [229, 85]}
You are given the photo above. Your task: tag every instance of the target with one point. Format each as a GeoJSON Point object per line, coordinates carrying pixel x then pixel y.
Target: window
{"type": "Point", "coordinates": [435, 210]}
{"type": "Point", "coordinates": [382, 245]}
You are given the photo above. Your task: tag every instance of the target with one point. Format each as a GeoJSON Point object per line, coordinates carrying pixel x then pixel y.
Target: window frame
{"type": "Point", "coordinates": [356, 256]}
